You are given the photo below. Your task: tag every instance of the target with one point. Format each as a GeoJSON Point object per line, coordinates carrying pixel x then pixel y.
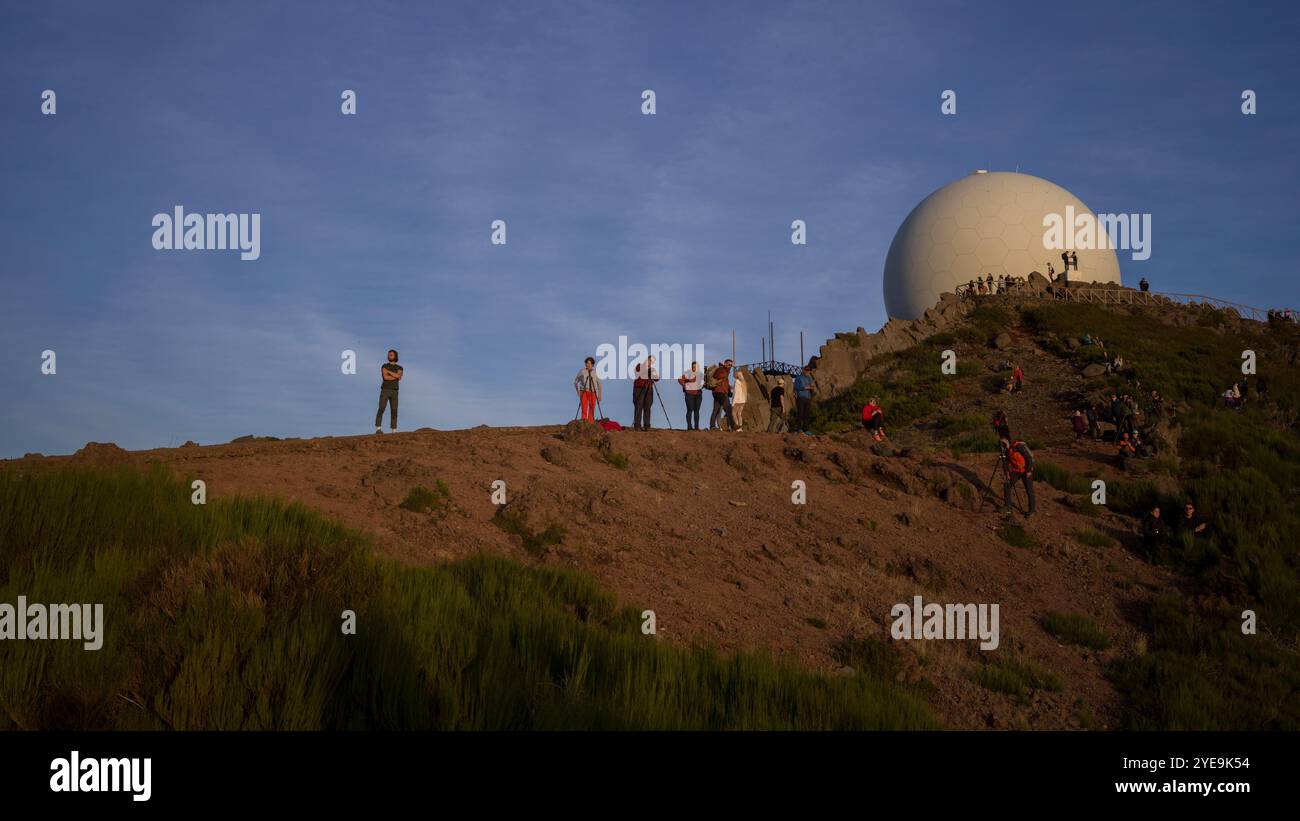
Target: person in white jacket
{"type": "Point", "coordinates": [738, 402]}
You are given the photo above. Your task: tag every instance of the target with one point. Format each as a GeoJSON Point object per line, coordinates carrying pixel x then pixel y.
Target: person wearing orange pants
{"type": "Point", "coordinates": [587, 384]}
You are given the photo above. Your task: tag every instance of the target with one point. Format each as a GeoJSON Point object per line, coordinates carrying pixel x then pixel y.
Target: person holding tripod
{"type": "Point", "coordinates": [692, 383]}
{"type": "Point", "coordinates": [587, 384]}
{"type": "Point", "coordinates": [1017, 466]}
{"type": "Point", "coordinates": [643, 393]}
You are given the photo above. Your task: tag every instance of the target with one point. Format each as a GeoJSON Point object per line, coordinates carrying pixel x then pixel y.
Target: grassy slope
{"type": "Point", "coordinates": [1242, 470]}
{"type": "Point", "coordinates": [228, 616]}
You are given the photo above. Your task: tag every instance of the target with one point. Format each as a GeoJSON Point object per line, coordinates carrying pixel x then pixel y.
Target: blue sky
{"type": "Point", "coordinates": [672, 228]}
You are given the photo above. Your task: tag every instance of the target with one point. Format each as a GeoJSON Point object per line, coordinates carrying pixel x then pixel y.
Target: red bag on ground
{"type": "Point", "coordinates": [609, 424]}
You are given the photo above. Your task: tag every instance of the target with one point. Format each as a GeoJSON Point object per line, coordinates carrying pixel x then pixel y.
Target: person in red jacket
{"type": "Point", "coordinates": [873, 418]}
{"type": "Point", "coordinates": [1017, 379]}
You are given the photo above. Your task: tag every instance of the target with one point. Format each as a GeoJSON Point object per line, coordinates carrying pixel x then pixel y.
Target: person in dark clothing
{"type": "Point", "coordinates": [1189, 522]}
{"type": "Point", "coordinates": [777, 419]}
{"type": "Point", "coordinates": [390, 374]}
{"type": "Point", "coordinates": [1079, 424]}
{"type": "Point", "coordinates": [1000, 425]}
{"type": "Point", "coordinates": [1144, 285]}
{"type": "Point", "coordinates": [643, 393]}
{"type": "Point", "coordinates": [1020, 468]}
{"type": "Point", "coordinates": [1117, 413]}
{"type": "Point", "coordinates": [1154, 530]}
{"type": "Point", "coordinates": [803, 397]}
{"type": "Point", "coordinates": [1261, 387]}
{"type": "Point", "coordinates": [1094, 427]}
{"type": "Point", "coordinates": [721, 390]}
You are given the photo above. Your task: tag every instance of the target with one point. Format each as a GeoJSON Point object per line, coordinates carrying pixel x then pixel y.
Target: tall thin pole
{"type": "Point", "coordinates": [801, 359]}
{"type": "Point", "coordinates": [733, 344]}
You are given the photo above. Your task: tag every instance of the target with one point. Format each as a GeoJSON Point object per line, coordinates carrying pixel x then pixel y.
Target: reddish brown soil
{"type": "Point", "coordinates": [701, 529]}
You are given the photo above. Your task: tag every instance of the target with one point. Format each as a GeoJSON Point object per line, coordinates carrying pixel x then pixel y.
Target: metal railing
{"type": "Point", "coordinates": [1129, 296]}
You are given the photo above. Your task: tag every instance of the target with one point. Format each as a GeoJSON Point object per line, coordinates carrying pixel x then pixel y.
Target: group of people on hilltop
{"type": "Point", "coordinates": [729, 389]}
{"type": "Point", "coordinates": [986, 286]}
{"type": "Point", "coordinates": [1235, 398]}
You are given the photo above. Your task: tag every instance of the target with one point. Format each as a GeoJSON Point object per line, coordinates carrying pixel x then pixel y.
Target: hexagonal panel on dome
{"type": "Point", "coordinates": [941, 257]}
{"type": "Point", "coordinates": [966, 217]}
{"type": "Point", "coordinates": [965, 240]}
{"type": "Point", "coordinates": [1019, 263]}
{"type": "Point", "coordinates": [990, 227]}
{"type": "Point", "coordinates": [1011, 214]}
{"type": "Point", "coordinates": [991, 252]}
{"type": "Point", "coordinates": [964, 267]}
{"type": "Point", "coordinates": [1016, 237]}
{"type": "Point", "coordinates": [943, 229]}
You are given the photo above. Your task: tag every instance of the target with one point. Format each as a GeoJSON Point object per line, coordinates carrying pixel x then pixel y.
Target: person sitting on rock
{"type": "Point", "coordinates": [873, 418]}
{"type": "Point", "coordinates": [1126, 449]}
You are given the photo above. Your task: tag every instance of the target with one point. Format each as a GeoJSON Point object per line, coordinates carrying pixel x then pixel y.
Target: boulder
{"type": "Point", "coordinates": [1094, 370]}
{"type": "Point", "coordinates": [1002, 341]}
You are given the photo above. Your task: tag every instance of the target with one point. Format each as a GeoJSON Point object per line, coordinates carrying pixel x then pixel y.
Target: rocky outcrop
{"type": "Point", "coordinates": [841, 360]}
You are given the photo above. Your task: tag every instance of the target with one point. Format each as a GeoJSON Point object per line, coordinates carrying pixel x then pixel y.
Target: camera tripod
{"type": "Point", "coordinates": [1006, 478]}
{"type": "Point", "coordinates": [589, 388]}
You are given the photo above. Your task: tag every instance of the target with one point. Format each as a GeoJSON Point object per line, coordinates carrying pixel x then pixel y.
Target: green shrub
{"type": "Point", "coordinates": [226, 616]}
{"type": "Point", "coordinates": [1072, 628]}
{"type": "Point", "coordinates": [617, 460]}
{"type": "Point", "coordinates": [1092, 538]}
{"type": "Point", "coordinates": [535, 542]}
{"type": "Point", "coordinates": [984, 441]}
{"type": "Point", "coordinates": [1201, 672]}
{"type": "Point", "coordinates": [1059, 478]}
{"type": "Point", "coordinates": [1016, 536]}
{"type": "Point", "coordinates": [421, 499]}
{"type": "Point", "coordinates": [1016, 677]}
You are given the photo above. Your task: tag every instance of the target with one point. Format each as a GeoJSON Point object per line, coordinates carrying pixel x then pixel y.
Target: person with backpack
{"type": "Point", "coordinates": [390, 375]}
{"type": "Point", "coordinates": [587, 384]}
{"type": "Point", "coordinates": [738, 402]}
{"type": "Point", "coordinates": [778, 417]}
{"type": "Point", "coordinates": [873, 418]}
{"type": "Point", "coordinates": [643, 393]}
{"type": "Point", "coordinates": [1020, 468]}
{"type": "Point", "coordinates": [692, 383]}
{"type": "Point", "coordinates": [803, 397]}
{"type": "Point", "coordinates": [716, 380]}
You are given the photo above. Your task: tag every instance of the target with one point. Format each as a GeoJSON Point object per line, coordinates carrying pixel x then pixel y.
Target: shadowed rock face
{"type": "Point", "coordinates": [840, 361]}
